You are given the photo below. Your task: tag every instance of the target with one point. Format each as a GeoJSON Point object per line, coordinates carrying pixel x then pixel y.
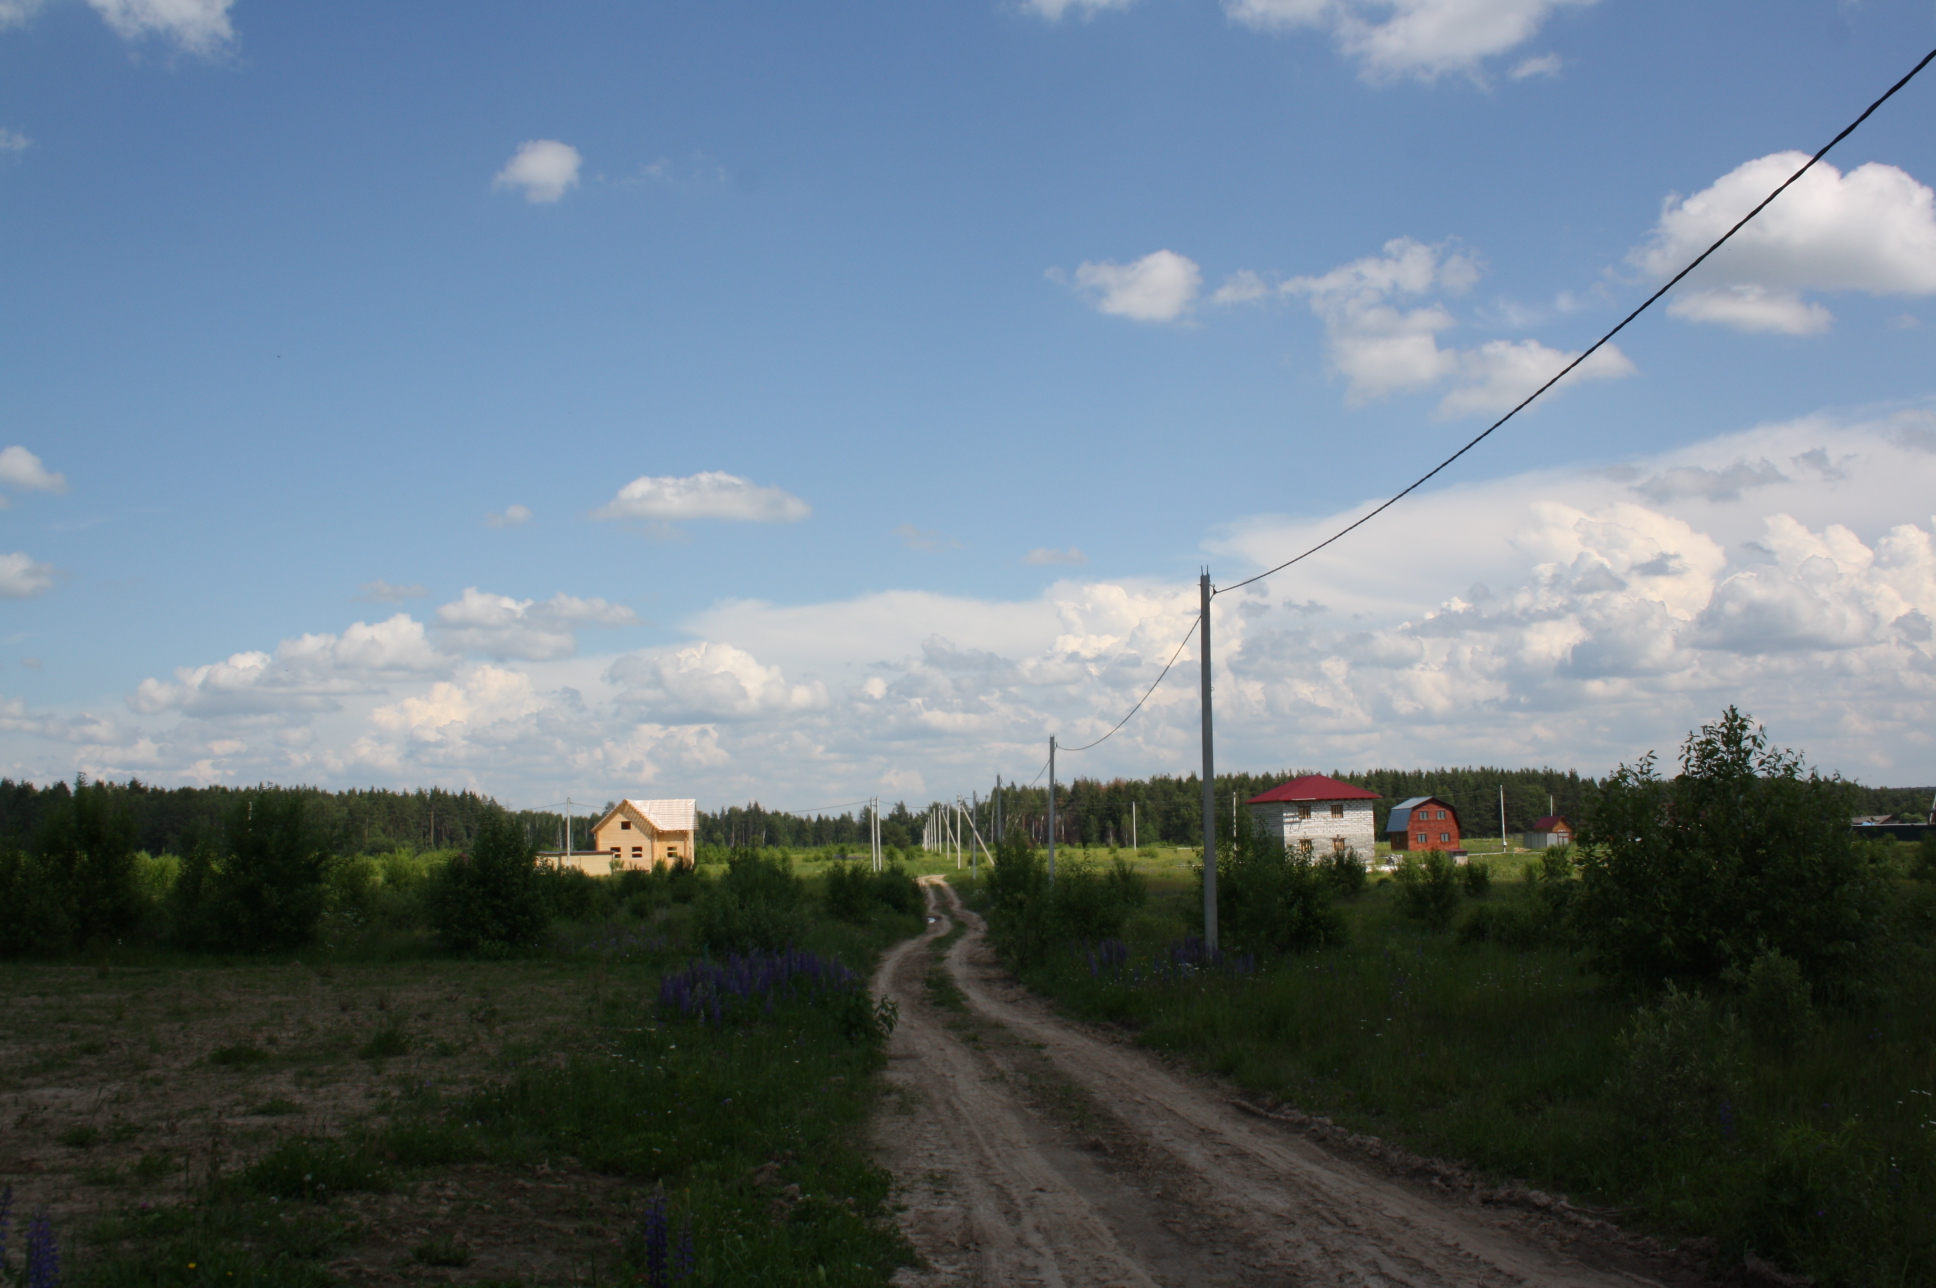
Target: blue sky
{"type": "Point", "coordinates": [804, 402]}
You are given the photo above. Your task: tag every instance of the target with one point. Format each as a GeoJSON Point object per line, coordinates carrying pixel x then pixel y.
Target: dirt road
{"type": "Point", "coordinates": [1029, 1151]}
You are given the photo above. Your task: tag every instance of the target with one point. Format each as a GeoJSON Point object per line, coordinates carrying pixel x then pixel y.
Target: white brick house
{"type": "Point", "coordinates": [1329, 814]}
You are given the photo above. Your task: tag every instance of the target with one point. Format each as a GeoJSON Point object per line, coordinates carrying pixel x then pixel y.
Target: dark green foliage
{"type": "Point", "coordinates": [1680, 1063]}
{"type": "Point", "coordinates": [267, 889]}
{"type": "Point", "coordinates": [1022, 920]}
{"type": "Point", "coordinates": [313, 1170]}
{"type": "Point", "coordinates": [490, 900]}
{"type": "Point", "coordinates": [1428, 887]}
{"type": "Point", "coordinates": [896, 889]}
{"type": "Point", "coordinates": [1271, 899]}
{"type": "Point", "coordinates": [77, 887]}
{"type": "Point", "coordinates": [1345, 870]}
{"type": "Point", "coordinates": [571, 894]}
{"type": "Point", "coordinates": [1738, 854]}
{"type": "Point", "coordinates": [643, 891]}
{"type": "Point", "coordinates": [1923, 865]}
{"type": "Point", "coordinates": [1774, 1003]}
{"type": "Point", "coordinates": [757, 903]}
{"type": "Point", "coordinates": [386, 1043]}
{"type": "Point", "coordinates": [848, 893]}
{"type": "Point", "coordinates": [1476, 875]}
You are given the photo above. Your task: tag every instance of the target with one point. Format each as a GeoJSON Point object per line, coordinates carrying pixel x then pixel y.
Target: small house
{"type": "Point", "coordinates": [1547, 833]}
{"type": "Point", "coordinates": [646, 834]}
{"type": "Point", "coordinates": [1331, 815]}
{"type": "Point", "coordinates": [1423, 823]}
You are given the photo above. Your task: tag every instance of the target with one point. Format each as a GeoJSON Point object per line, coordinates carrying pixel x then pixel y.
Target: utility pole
{"type": "Point", "coordinates": [1132, 825]}
{"type": "Point", "coordinates": [567, 827]}
{"type": "Point", "coordinates": [1051, 808]}
{"type": "Point", "coordinates": [1209, 776]}
{"type": "Point", "coordinates": [998, 809]}
{"type": "Point", "coordinates": [1502, 818]}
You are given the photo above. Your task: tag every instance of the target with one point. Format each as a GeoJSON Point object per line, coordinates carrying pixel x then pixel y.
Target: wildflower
{"type": "Point", "coordinates": [43, 1255]}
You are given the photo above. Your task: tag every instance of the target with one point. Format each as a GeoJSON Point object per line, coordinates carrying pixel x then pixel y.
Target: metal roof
{"type": "Point", "coordinates": [668, 816]}
{"type": "Point", "coordinates": [1313, 787]}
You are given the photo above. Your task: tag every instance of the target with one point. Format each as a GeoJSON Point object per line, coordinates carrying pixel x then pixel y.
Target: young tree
{"type": "Point", "coordinates": [1740, 853]}
{"type": "Point", "coordinates": [490, 899]}
{"type": "Point", "coordinates": [267, 892]}
{"type": "Point", "coordinates": [79, 886]}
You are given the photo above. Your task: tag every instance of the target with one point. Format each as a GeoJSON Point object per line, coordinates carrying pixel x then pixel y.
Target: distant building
{"type": "Point", "coordinates": [645, 834]}
{"type": "Point", "coordinates": [1423, 823]}
{"type": "Point", "coordinates": [1547, 833]}
{"type": "Point", "coordinates": [1331, 815]}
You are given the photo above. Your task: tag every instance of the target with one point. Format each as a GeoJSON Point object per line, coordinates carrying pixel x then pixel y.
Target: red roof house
{"type": "Point", "coordinates": [1331, 816]}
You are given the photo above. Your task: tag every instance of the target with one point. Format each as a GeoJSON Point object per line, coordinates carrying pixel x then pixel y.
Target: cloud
{"type": "Point", "coordinates": [501, 627]}
{"type": "Point", "coordinates": [709, 495]}
{"type": "Point", "coordinates": [1499, 373]}
{"type": "Point", "coordinates": [15, 13]}
{"type": "Point", "coordinates": [1381, 333]}
{"type": "Point", "coordinates": [1160, 287]}
{"type": "Point", "coordinates": [543, 169]}
{"type": "Point", "coordinates": [513, 516]}
{"type": "Point", "coordinates": [382, 592]}
{"type": "Point", "coordinates": [21, 577]}
{"type": "Point", "coordinates": [1543, 65]}
{"type": "Point", "coordinates": [710, 681]}
{"type": "Point", "coordinates": [1421, 39]}
{"type": "Point", "coordinates": [1241, 287]}
{"type": "Point", "coordinates": [1054, 9]}
{"type": "Point", "coordinates": [20, 468]}
{"type": "Point", "coordinates": [1050, 555]}
{"type": "Point", "coordinates": [198, 26]}
{"type": "Point", "coordinates": [1871, 230]}
{"type": "Point", "coordinates": [13, 140]}
{"type": "Point", "coordinates": [1725, 484]}
{"type": "Point", "coordinates": [308, 673]}
{"type": "Point", "coordinates": [921, 539]}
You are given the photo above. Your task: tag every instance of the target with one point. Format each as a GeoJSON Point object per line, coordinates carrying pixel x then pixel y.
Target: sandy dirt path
{"type": "Point", "coordinates": [1027, 1150]}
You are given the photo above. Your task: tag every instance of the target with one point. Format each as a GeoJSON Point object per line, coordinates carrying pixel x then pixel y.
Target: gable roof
{"type": "Point", "coordinates": [665, 816]}
{"type": "Point", "coordinates": [1401, 815]}
{"type": "Point", "coordinates": [1313, 787]}
{"type": "Point", "coordinates": [1552, 823]}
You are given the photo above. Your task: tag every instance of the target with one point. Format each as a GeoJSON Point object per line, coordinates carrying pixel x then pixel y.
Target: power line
{"type": "Point", "coordinates": [1194, 622]}
{"type": "Point", "coordinates": [1597, 344]}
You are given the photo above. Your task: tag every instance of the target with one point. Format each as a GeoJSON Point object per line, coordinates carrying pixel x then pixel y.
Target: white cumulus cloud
{"type": "Point", "coordinates": [1159, 287]}
{"type": "Point", "coordinates": [502, 627]}
{"type": "Point", "coordinates": [1872, 230]}
{"type": "Point", "coordinates": [1499, 373]}
{"type": "Point", "coordinates": [712, 494]}
{"type": "Point", "coordinates": [1422, 39]}
{"type": "Point", "coordinates": [710, 681]}
{"type": "Point", "coordinates": [22, 577]}
{"type": "Point", "coordinates": [307, 673]}
{"type": "Point", "coordinates": [544, 170]}
{"type": "Point", "coordinates": [20, 468]}
{"type": "Point", "coordinates": [511, 516]}
{"type": "Point", "coordinates": [13, 140]}
{"type": "Point", "coordinates": [1054, 9]}
{"type": "Point", "coordinates": [198, 26]}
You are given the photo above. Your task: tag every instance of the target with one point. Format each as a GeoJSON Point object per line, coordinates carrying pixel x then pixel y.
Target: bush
{"type": "Point", "coordinates": [266, 891]}
{"type": "Point", "coordinates": [897, 890]}
{"type": "Point", "coordinates": [1428, 887]}
{"type": "Point", "coordinates": [1923, 865]}
{"type": "Point", "coordinates": [1681, 1065]}
{"type": "Point", "coordinates": [1519, 923]}
{"type": "Point", "coordinates": [492, 899]}
{"type": "Point", "coordinates": [1775, 1003]}
{"type": "Point", "coordinates": [1345, 870]}
{"type": "Point", "coordinates": [1476, 876]}
{"type": "Point", "coordinates": [1273, 899]}
{"type": "Point", "coordinates": [849, 892]}
{"type": "Point", "coordinates": [80, 885]}
{"type": "Point", "coordinates": [754, 906]}
{"type": "Point", "coordinates": [1738, 854]}
{"type": "Point", "coordinates": [33, 918]}
{"type": "Point", "coordinates": [1090, 904]}
{"type": "Point", "coordinates": [1021, 921]}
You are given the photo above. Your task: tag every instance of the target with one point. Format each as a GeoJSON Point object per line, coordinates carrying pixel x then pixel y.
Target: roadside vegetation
{"type": "Point", "coordinates": [261, 1063]}
{"type": "Point", "coordinates": [1715, 1018]}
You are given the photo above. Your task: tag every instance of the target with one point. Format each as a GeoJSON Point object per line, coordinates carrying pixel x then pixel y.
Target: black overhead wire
{"type": "Point", "coordinates": [1525, 402]}
{"type": "Point", "coordinates": [1597, 344]}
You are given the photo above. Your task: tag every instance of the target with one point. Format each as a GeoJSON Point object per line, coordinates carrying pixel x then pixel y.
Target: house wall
{"type": "Point", "coordinates": [1546, 840]}
{"type": "Point", "coordinates": [1356, 826]}
{"type": "Point", "coordinates": [641, 845]}
{"type": "Point", "coordinates": [1436, 830]}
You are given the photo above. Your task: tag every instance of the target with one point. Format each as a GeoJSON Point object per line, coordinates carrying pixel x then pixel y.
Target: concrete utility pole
{"type": "Point", "coordinates": [1051, 807]}
{"type": "Point", "coordinates": [1209, 776]}
{"type": "Point", "coordinates": [567, 827]}
{"type": "Point", "coordinates": [1132, 825]}
{"type": "Point", "coordinates": [1502, 818]}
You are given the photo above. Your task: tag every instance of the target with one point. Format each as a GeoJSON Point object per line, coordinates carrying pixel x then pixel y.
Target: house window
{"type": "Point", "coordinates": [1446, 837]}
{"type": "Point", "coordinates": [625, 823]}
{"type": "Point", "coordinates": [672, 851]}
{"type": "Point", "coordinates": [1441, 813]}
{"type": "Point", "coordinates": [1337, 845]}
{"type": "Point", "coordinates": [615, 851]}
{"type": "Point", "coordinates": [1304, 811]}
{"type": "Point", "coordinates": [1337, 809]}
{"type": "Point", "coordinates": [1421, 838]}
{"type": "Point", "coordinates": [638, 851]}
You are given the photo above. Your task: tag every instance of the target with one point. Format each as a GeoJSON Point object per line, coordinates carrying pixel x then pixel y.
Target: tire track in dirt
{"type": "Point", "coordinates": [1028, 1151]}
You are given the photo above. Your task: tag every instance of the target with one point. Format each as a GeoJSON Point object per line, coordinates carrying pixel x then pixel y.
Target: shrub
{"type": "Point", "coordinates": [33, 918]}
{"type": "Point", "coordinates": [1428, 888]}
{"type": "Point", "coordinates": [1775, 1003]}
{"type": "Point", "coordinates": [1737, 854]}
{"type": "Point", "coordinates": [1345, 870]}
{"type": "Point", "coordinates": [1087, 903]}
{"type": "Point", "coordinates": [491, 899]}
{"type": "Point", "coordinates": [897, 890]}
{"type": "Point", "coordinates": [1476, 876]}
{"type": "Point", "coordinates": [266, 891]}
{"type": "Point", "coordinates": [754, 906]}
{"type": "Point", "coordinates": [1273, 899]}
{"type": "Point", "coordinates": [1923, 865]}
{"type": "Point", "coordinates": [1680, 1061]}
{"type": "Point", "coordinates": [79, 886]}
{"type": "Point", "coordinates": [1021, 921]}
{"type": "Point", "coordinates": [849, 894]}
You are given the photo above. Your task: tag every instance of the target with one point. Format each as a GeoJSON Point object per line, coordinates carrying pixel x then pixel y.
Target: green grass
{"type": "Point", "coordinates": [1824, 1159]}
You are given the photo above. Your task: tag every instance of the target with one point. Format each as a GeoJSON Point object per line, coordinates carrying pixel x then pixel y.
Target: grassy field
{"type": "Point", "coordinates": [1821, 1156]}
{"type": "Point", "coordinates": [378, 1113]}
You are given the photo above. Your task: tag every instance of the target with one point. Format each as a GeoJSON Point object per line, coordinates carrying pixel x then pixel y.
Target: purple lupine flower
{"type": "Point", "coordinates": [43, 1255]}
{"type": "Point", "coordinates": [655, 1230]}
{"type": "Point", "coordinates": [686, 1260]}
